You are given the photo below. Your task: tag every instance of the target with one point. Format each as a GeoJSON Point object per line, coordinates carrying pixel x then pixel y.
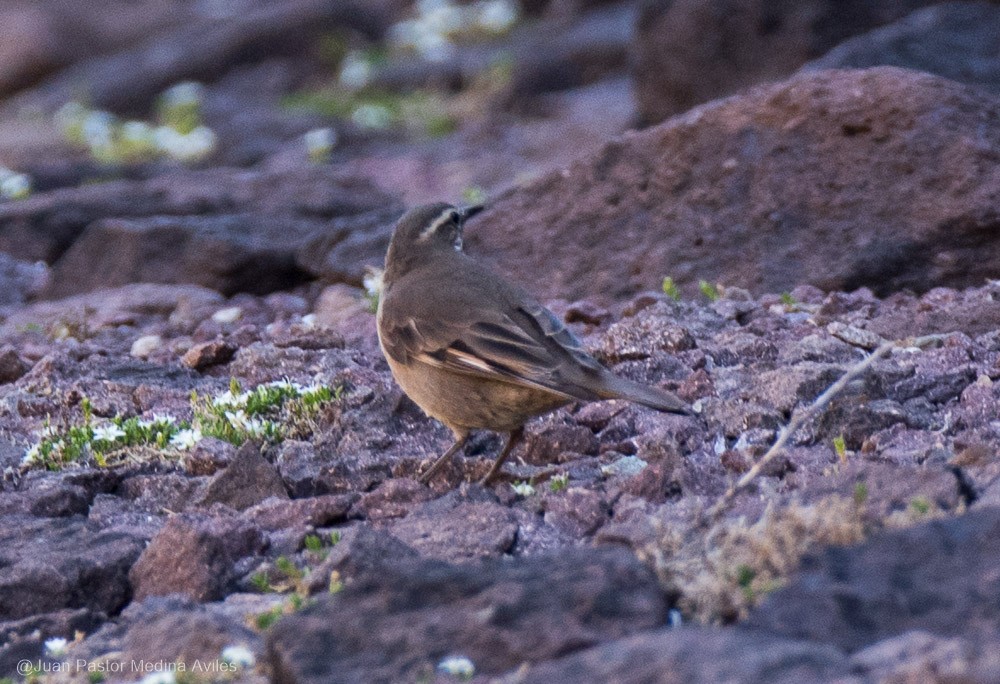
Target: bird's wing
{"type": "Point", "coordinates": [527, 345]}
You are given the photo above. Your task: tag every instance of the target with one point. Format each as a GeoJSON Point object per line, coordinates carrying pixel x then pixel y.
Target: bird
{"type": "Point", "coordinates": [475, 351]}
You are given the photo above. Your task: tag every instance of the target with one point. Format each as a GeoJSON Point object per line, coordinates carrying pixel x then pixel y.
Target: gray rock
{"type": "Point", "coordinates": [399, 621]}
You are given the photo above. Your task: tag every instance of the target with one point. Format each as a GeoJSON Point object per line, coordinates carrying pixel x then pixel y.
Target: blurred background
{"type": "Point", "coordinates": [345, 111]}
{"type": "Point", "coordinates": [436, 97]}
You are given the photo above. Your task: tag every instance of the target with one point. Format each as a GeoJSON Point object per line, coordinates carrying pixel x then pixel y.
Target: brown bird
{"type": "Point", "coordinates": [475, 351]}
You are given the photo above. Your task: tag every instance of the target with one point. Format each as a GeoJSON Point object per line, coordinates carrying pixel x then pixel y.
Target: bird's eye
{"type": "Point", "coordinates": [454, 216]}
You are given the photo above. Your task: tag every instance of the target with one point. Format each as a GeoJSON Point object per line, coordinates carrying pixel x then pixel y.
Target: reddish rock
{"type": "Point", "coordinates": [732, 193]}
{"type": "Point", "coordinates": [206, 354]}
{"type": "Point", "coordinates": [466, 532]}
{"type": "Point", "coordinates": [248, 480]}
{"type": "Point", "coordinates": [195, 554]}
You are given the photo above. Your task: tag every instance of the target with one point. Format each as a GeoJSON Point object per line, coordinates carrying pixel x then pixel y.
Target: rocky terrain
{"type": "Point", "coordinates": [210, 475]}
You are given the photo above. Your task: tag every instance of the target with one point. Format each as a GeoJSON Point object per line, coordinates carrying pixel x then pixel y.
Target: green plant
{"type": "Point", "coordinates": [264, 621]}
{"type": "Point", "coordinates": [558, 482]}
{"type": "Point", "coordinates": [710, 291]}
{"type": "Point", "coordinates": [271, 412]}
{"type": "Point", "coordinates": [840, 447]}
{"type": "Point", "coordinates": [670, 288]}
{"type": "Point", "coordinates": [920, 505]}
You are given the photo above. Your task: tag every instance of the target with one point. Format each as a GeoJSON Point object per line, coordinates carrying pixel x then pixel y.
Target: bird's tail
{"type": "Point", "coordinates": [616, 387]}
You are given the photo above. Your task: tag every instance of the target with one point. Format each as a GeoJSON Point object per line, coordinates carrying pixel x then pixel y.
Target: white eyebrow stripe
{"type": "Point", "coordinates": [444, 218]}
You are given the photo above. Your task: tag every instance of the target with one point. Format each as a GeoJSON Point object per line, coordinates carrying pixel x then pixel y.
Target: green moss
{"type": "Point", "coordinates": [670, 288]}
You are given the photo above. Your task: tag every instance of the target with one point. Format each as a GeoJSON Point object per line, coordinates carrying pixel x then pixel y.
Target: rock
{"type": "Point", "coordinates": [344, 309]}
{"type": "Point", "coordinates": [937, 577]}
{"type": "Point", "coordinates": [693, 51]}
{"type": "Point", "coordinates": [45, 225]}
{"type": "Point", "coordinates": [468, 531]}
{"type": "Point", "coordinates": [393, 498]}
{"type": "Point", "coordinates": [20, 280]}
{"type": "Point", "coordinates": [133, 304]}
{"type": "Point", "coordinates": [278, 513]}
{"type": "Point", "coordinates": [248, 480]}
{"type": "Point", "coordinates": [229, 254]}
{"type": "Point", "coordinates": [195, 555]}
{"type": "Point", "coordinates": [207, 354]}
{"type": "Point", "coordinates": [144, 346]}
{"type": "Point", "coordinates": [208, 456]}
{"type": "Point", "coordinates": [577, 512]}
{"type": "Point", "coordinates": [918, 655]}
{"type": "Point", "coordinates": [429, 609]}
{"type": "Point", "coordinates": [170, 630]}
{"type": "Point", "coordinates": [341, 251]}
{"type": "Point", "coordinates": [55, 563]}
{"type": "Point", "coordinates": [11, 365]}
{"type": "Point", "coordinates": [956, 40]}
{"type": "Point", "coordinates": [40, 38]}
{"type": "Point", "coordinates": [644, 196]}
{"type": "Point", "coordinates": [696, 654]}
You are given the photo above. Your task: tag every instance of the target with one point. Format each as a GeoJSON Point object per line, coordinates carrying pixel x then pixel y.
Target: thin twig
{"type": "Point", "coordinates": [799, 418]}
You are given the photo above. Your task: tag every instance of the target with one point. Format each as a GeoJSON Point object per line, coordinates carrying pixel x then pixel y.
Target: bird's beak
{"type": "Point", "coordinates": [468, 212]}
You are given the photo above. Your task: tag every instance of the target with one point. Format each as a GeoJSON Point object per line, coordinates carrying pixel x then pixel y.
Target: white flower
{"type": "Point", "coordinates": [14, 185]}
{"type": "Point", "coordinates": [434, 47]}
{"type": "Point", "coordinates": [98, 129]}
{"type": "Point", "coordinates": [137, 132]}
{"type": "Point", "coordinates": [56, 647]}
{"type": "Point", "coordinates": [319, 142]}
{"type": "Point", "coordinates": [191, 146]}
{"type": "Point", "coordinates": [227, 398]}
{"type": "Point", "coordinates": [49, 431]}
{"type": "Point", "coordinates": [70, 115]}
{"type": "Point", "coordinates": [372, 281]}
{"type": "Point", "coordinates": [523, 489]}
{"type": "Point", "coordinates": [496, 16]}
{"type": "Point", "coordinates": [164, 420]}
{"type": "Point", "coordinates": [311, 390]}
{"type": "Point", "coordinates": [457, 666]}
{"type": "Point", "coordinates": [355, 71]}
{"type": "Point", "coordinates": [184, 93]}
{"type": "Point", "coordinates": [238, 655]}
{"type": "Point", "coordinates": [166, 677]}
{"type": "Point", "coordinates": [442, 18]}
{"type": "Point", "coordinates": [309, 321]}
{"type": "Point", "coordinates": [185, 439]}
{"type": "Point", "coordinates": [31, 455]}
{"type": "Point", "coordinates": [257, 427]}
{"type": "Point", "coordinates": [284, 384]}
{"type": "Point", "coordinates": [372, 116]}
{"type": "Point", "coordinates": [241, 421]}
{"type": "Point", "coordinates": [108, 433]}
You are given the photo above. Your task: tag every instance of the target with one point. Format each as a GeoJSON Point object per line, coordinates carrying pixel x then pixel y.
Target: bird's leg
{"type": "Point", "coordinates": [460, 440]}
{"type": "Point", "coordinates": [513, 437]}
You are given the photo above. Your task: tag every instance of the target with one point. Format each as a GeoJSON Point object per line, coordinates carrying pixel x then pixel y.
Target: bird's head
{"type": "Point", "coordinates": [426, 230]}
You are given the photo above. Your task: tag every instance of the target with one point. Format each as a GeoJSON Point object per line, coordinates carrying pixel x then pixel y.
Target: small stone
{"type": "Point", "coordinates": [627, 466]}
{"type": "Point", "coordinates": [230, 314]}
{"type": "Point", "coordinates": [207, 354]}
{"type": "Point", "coordinates": [11, 365]}
{"type": "Point", "coordinates": [146, 345]}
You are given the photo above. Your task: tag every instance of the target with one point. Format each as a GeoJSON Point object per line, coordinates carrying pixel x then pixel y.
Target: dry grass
{"type": "Point", "coordinates": [718, 577]}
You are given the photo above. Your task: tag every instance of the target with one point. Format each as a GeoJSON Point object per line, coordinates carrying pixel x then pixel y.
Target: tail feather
{"type": "Point", "coordinates": [616, 387]}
